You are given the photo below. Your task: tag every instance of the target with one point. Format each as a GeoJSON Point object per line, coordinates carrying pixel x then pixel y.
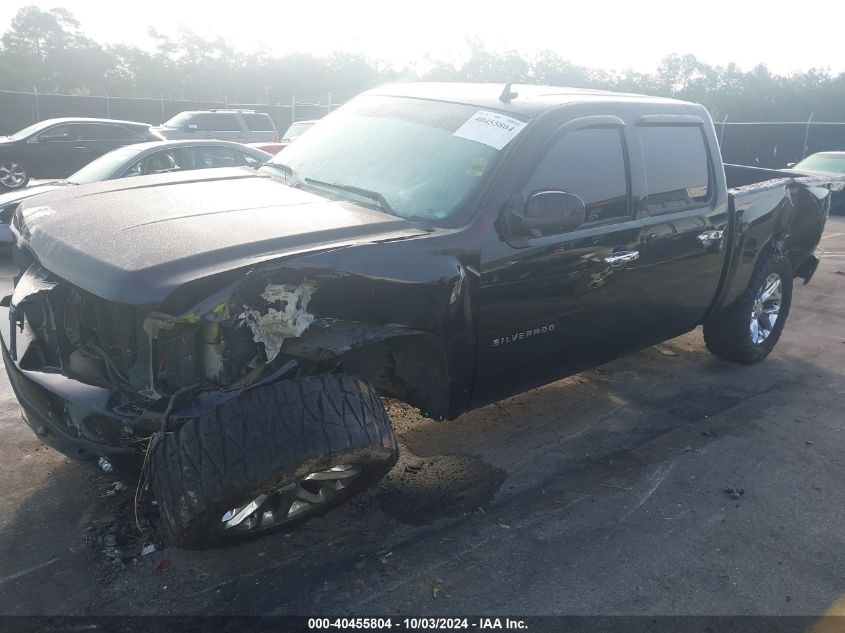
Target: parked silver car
{"type": "Point", "coordinates": [141, 159]}
{"type": "Point", "coordinates": [242, 126]}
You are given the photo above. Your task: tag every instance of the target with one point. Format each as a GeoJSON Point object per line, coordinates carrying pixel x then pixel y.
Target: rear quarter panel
{"type": "Point", "coordinates": [786, 215]}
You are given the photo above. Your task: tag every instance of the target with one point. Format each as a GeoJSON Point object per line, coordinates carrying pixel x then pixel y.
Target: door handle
{"type": "Point", "coordinates": [77, 147]}
{"type": "Point", "coordinates": [709, 237]}
{"type": "Point", "coordinates": [621, 258]}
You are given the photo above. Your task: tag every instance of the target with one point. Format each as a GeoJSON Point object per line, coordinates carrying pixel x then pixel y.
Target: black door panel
{"type": "Point", "coordinates": [553, 310]}
{"type": "Point", "coordinates": [555, 305]}
{"type": "Point", "coordinates": [552, 306]}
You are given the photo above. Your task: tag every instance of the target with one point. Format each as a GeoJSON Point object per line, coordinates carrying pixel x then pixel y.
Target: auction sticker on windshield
{"type": "Point", "coordinates": [490, 128]}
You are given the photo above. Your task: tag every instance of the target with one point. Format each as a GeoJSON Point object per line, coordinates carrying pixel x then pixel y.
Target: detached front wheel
{"type": "Point", "coordinates": [748, 330]}
{"type": "Point", "coordinates": [271, 458]}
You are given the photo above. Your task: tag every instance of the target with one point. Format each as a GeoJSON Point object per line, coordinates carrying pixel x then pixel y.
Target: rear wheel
{"type": "Point", "coordinates": [748, 330]}
{"type": "Point", "coordinates": [271, 458]}
{"type": "Point", "coordinates": [13, 175]}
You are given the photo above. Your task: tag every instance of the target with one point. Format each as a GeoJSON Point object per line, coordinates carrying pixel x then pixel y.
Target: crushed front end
{"type": "Point", "coordinates": [96, 379]}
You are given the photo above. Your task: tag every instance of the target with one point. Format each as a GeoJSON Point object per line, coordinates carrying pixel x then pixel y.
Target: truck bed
{"type": "Point", "coordinates": [773, 208]}
{"type": "Point", "coordinates": [738, 176]}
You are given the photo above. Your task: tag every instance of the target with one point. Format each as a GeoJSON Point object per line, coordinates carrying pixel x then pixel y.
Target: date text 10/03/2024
{"type": "Point", "coordinates": [413, 624]}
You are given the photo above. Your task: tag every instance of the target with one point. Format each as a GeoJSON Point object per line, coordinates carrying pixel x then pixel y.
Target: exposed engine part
{"type": "Point", "coordinates": [212, 351]}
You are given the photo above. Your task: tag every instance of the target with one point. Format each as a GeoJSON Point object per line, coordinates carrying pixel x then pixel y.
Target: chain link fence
{"type": "Point", "coordinates": [773, 145]}
{"type": "Point", "coordinates": [20, 109]}
{"type": "Point", "coordinates": [776, 145]}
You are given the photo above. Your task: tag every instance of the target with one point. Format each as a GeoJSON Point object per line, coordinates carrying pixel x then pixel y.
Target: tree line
{"type": "Point", "coordinates": [48, 51]}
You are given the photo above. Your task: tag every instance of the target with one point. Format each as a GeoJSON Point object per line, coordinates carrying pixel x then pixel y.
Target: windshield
{"type": "Point", "coordinates": [401, 151]}
{"type": "Point", "coordinates": [103, 167]}
{"type": "Point", "coordinates": [29, 131]}
{"type": "Point", "coordinates": [179, 121]}
{"type": "Point", "coordinates": [822, 162]}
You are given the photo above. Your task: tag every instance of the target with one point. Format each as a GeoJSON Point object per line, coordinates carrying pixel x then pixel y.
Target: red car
{"type": "Point", "coordinates": [296, 129]}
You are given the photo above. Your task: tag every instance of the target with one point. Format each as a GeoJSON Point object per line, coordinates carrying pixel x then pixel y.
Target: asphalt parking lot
{"type": "Point", "coordinates": [604, 493]}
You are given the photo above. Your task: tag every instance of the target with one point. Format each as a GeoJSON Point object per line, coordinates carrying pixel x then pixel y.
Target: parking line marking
{"type": "Point", "coordinates": [27, 571]}
{"type": "Point", "coordinates": [659, 474]}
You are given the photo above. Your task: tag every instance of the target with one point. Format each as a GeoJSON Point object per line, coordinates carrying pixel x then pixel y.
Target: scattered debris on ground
{"type": "Point", "coordinates": [733, 492]}
{"type": "Point", "coordinates": [114, 489]}
{"type": "Point", "coordinates": [116, 534]}
{"type": "Point", "coordinates": [436, 588]}
{"type": "Point", "coordinates": [163, 565]}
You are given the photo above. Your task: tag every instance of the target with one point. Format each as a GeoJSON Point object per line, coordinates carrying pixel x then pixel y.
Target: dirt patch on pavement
{"type": "Point", "coordinates": [421, 490]}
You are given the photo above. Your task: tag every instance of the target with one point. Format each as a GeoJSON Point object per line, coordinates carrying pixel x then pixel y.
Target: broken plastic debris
{"type": "Point", "coordinates": [436, 587]}
{"type": "Point", "coordinates": [733, 492]}
{"type": "Point", "coordinates": [115, 488]}
{"type": "Point", "coordinates": [163, 566]}
{"type": "Point", "coordinates": [33, 281]}
{"type": "Point", "coordinates": [148, 549]}
{"type": "Point", "coordinates": [275, 326]}
{"type": "Point", "coordinates": [458, 287]}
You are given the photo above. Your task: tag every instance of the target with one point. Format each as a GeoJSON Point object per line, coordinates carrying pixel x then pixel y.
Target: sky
{"type": "Point", "coordinates": [612, 35]}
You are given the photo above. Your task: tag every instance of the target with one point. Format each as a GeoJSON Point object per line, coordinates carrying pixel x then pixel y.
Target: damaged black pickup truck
{"type": "Point", "coordinates": [226, 335]}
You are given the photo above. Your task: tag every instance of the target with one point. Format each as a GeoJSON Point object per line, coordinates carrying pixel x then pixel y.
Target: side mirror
{"type": "Point", "coordinates": [790, 165]}
{"type": "Point", "coordinates": [550, 213]}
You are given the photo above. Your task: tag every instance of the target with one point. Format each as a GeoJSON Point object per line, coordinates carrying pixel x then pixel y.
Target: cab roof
{"type": "Point", "coordinates": [530, 100]}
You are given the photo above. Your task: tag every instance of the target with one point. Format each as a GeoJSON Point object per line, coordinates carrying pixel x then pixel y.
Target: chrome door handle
{"type": "Point", "coordinates": [708, 237]}
{"type": "Point", "coordinates": [622, 257]}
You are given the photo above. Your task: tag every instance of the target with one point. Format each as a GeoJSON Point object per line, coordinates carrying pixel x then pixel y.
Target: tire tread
{"type": "Point", "coordinates": [250, 443]}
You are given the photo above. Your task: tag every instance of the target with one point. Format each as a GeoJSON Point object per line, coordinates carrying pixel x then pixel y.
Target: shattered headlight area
{"type": "Point", "coordinates": [225, 342]}
{"type": "Point", "coordinates": [231, 338]}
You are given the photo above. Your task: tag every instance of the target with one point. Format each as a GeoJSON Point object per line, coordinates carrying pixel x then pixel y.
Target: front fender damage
{"type": "Point", "coordinates": [267, 322]}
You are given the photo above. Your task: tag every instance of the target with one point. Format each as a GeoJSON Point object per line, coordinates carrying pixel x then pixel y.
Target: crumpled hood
{"type": "Point", "coordinates": [136, 240]}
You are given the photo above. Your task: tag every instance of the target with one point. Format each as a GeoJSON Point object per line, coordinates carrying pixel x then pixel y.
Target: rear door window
{"type": "Point", "coordinates": [161, 162]}
{"type": "Point", "coordinates": [208, 157]}
{"type": "Point", "coordinates": [250, 160]}
{"type": "Point", "coordinates": [591, 164]}
{"type": "Point", "coordinates": [95, 132]}
{"type": "Point", "coordinates": [215, 122]}
{"type": "Point", "coordinates": [259, 122]}
{"type": "Point", "coordinates": [677, 167]}
{"type": "Point", "coordinates": [68, 132]}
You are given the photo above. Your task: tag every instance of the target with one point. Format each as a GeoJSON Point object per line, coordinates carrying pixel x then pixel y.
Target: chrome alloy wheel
{"type": "Point", "coordinates": [766, 309]}
{"type": "Point", "coordinates": [292, 501]}
{"type": "Point", "coordinates": [12, 174]}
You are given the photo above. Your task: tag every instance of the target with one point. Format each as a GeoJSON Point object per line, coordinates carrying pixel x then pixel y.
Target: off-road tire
{"type": "Point", "coordinates": [264, 439]}
{"type": "Point", "coordinates": [727, 334]}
